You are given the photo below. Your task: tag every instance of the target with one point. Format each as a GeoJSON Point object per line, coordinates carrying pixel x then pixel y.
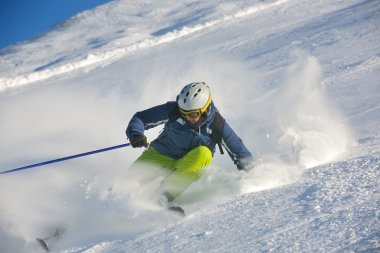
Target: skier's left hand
{"type": "Point", "coordinates": [246, 164]}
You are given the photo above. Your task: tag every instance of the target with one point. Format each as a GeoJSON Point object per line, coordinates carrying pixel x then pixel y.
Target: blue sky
{"type": "Point", "coordinates": [23, 19]}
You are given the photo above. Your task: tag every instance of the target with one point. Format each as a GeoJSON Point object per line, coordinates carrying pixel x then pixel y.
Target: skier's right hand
{"type": "Point", "coordinates": [139, 140]}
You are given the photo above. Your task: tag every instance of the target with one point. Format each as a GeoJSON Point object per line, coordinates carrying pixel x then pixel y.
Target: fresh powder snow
{"type": "Point", "coordinates": [298, 80]}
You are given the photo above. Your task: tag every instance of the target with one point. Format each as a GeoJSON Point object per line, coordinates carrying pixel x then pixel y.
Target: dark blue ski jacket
{"type": "Point", "coordinates": [178, 137]}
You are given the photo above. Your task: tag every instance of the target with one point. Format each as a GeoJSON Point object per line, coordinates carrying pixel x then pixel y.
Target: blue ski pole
{"type": "Point", "coordinates": [66, 158]}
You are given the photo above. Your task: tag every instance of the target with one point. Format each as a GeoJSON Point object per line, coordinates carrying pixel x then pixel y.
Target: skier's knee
{"type": "Point", "coordinates": [202, 155]}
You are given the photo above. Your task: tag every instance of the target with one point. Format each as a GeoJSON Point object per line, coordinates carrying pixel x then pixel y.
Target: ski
{"type": "Point", "coordinates": [44, 242]}
{"type": "Point", "coordinates": [177, 210]}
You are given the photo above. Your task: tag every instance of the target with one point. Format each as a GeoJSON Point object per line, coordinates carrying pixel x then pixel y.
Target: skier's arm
{"type": "Point", "coordinates": [236, 149]}
{"type": "Point", "coordinates": [149, 118]}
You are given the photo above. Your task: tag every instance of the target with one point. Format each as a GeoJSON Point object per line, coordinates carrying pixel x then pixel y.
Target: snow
{"type": "Point", "coordinates": [298, 80]}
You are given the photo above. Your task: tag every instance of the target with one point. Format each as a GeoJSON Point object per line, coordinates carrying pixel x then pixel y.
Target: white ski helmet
{"type": "Point", "coordinates": [194, 96]}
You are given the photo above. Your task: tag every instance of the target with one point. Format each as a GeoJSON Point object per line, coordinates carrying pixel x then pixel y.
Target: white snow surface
{"type": "Point", "coordinates": [298, 80]}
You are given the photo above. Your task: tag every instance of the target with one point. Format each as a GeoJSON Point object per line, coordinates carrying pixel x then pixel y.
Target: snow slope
{"type": "Point", "coordinates": [298, 80]}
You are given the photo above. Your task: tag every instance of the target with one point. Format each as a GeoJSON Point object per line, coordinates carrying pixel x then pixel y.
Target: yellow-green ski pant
{"type": "Point", "coordinates": [179, 174]}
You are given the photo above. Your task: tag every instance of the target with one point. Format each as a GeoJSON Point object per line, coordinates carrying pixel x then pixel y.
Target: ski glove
{"type": "Point", "coordinates": [139, 140]}
{"type": "Point", "coordinates": [246, 163]}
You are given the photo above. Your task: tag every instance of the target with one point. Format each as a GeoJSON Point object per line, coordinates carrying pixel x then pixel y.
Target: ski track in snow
{"type": "Point", "coordinates": [94, 59]}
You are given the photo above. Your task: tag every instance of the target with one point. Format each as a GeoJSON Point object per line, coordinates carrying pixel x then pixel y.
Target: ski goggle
{"type": "Point", "coordinates": [191, 114]}
{"type": "Point", "coordinates": [198, 112]}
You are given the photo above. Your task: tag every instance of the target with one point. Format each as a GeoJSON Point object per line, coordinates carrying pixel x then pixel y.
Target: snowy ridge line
{"type": "Point", "coordinates": [108, 57]}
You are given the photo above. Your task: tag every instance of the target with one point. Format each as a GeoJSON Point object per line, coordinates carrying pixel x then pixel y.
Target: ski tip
{"type": "Point", "coordinates": [177, 210]}
{"type": "Point", "coordinates": [43, 244]}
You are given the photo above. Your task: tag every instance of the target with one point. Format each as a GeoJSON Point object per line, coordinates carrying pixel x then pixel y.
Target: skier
{"type": "Point", "coordinates": [193, 127]}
